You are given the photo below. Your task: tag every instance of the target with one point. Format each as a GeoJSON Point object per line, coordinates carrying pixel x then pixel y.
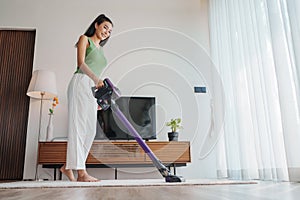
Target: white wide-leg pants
{"type": "Point", "coordinates": [82, 119]}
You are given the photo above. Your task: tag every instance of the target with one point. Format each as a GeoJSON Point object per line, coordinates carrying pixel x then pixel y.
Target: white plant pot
{"type": "Point", "coordinates": [49, 135]}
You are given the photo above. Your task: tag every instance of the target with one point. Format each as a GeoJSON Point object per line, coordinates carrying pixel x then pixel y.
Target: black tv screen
{"type": "Point", "coordinates": [140, 111]}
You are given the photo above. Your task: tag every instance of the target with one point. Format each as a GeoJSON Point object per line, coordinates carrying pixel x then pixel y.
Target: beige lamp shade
{"type": "Point", "coordinates": [42, 85]}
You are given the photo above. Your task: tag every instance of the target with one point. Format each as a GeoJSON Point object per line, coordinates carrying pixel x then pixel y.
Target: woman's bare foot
{"type": "Point", "coordinates": [68, 173]}
{"type": "Point", "coordinates": [83, 176]}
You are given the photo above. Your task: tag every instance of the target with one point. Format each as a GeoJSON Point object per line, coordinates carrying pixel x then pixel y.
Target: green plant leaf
{"type": "Point", "coordinates": [174, 124]}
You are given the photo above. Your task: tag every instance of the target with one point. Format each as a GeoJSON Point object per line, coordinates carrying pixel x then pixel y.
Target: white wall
{"type": "Point", "coordinates": [157, 48]}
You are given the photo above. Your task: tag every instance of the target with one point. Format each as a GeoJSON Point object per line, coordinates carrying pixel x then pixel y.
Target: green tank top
{"type": "Point", "coordinates": [94, 58]}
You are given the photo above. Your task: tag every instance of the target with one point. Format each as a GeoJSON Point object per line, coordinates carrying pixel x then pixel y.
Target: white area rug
{"type": "Point", "coordinates": [116, 183]}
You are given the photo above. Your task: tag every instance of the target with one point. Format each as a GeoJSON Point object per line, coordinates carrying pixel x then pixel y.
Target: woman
{"type": "Point", "coordinates": [82, 105]}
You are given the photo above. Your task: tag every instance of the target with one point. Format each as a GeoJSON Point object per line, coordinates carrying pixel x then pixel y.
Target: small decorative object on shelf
{"type": "Point", "coordinates": [175, 125]}
{"type": "Point", "coordinates": [49, 135]}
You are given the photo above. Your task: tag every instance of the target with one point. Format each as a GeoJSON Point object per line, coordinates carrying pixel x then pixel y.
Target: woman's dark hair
{"type": "Point", "coordinates": [91, 30]}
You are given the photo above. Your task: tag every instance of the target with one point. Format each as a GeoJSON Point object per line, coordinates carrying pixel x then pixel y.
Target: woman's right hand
{"type": "Point", "coordinates": [100, 84]}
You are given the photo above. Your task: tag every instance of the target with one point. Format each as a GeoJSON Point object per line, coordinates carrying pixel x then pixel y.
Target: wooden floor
{"type": "Point", "coordinates": [262, 190]}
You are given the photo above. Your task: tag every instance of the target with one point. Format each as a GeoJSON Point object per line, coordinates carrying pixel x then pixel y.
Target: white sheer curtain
{"type": "Point", "coordinates": [255, 46]}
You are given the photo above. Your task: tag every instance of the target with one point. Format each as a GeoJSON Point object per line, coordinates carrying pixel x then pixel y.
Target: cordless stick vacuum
{"type": "Point", "coordinates": [106, 97]}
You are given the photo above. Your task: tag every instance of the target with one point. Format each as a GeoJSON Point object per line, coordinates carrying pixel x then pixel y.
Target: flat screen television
{"type": "Point", "coordinates": [140, 111]}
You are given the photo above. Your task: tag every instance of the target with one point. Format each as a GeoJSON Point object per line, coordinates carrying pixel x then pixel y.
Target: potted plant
{"type": "Point", "coordinates": [174, 125]}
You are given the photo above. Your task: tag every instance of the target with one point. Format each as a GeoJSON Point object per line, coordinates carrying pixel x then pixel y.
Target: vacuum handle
{"type": "Point", "coordinates": [116, 91]}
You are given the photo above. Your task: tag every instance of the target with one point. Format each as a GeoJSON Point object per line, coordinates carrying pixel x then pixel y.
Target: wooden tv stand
{"type": "Point", "coordinates": [117, 154]}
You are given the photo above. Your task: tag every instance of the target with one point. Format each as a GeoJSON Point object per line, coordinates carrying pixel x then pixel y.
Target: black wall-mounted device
{"type": "Point", "coordinates": [198, 89]}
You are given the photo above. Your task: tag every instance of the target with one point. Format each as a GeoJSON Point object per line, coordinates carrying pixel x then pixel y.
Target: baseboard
{"type": "Point", "coordinates": [294, 174]}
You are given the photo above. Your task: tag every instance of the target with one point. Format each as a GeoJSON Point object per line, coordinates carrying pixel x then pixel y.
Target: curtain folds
{"type": "Point", "coordinates": [255, 48]}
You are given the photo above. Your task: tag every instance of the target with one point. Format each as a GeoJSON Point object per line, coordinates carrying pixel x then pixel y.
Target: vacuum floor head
{"type": "Point", "coordinates": [173, 178]}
